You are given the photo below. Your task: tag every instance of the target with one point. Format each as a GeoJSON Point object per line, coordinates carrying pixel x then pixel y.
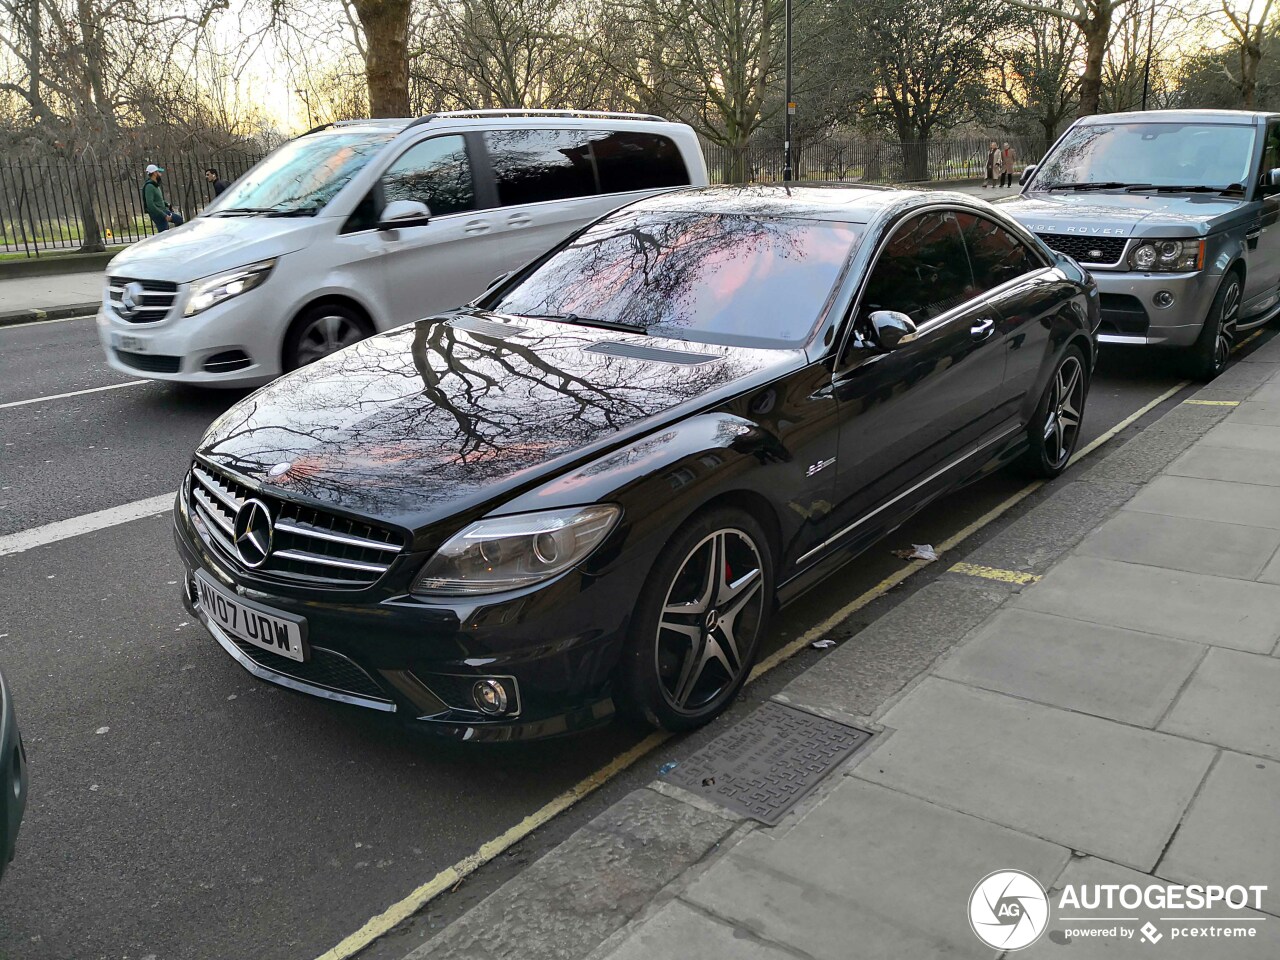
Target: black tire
{"type": "Point", "coordinates": [682, 668]}
{"type": "Point", "coordinates": [1054, 430]}
{"type": "Point", "coordinates": [1209, 355]}
{"type": "Point", "coordinates": [320, 330]}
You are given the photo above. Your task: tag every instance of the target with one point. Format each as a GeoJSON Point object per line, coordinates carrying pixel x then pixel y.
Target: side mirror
{"type": "Point", "coordinates": [892, 329]}
{"type": "Point", "coordinates": [1273, 178]}
{"type": "Point", "coordinates": [1027, 171]}
{"type": "Point", "coordinates": [404, 213]}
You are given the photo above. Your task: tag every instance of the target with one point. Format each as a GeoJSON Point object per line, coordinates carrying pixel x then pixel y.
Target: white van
{"type": "Point", "coordinates": [363, 225]}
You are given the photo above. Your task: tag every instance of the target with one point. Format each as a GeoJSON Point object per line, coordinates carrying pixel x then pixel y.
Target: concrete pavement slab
{"type": "Point", "coordinates": [1233, 700]}
{"type": "Point", "coordinates": [1090, 784]}
{"type": "Point", "coordinates": [1169, 603]}
{"type": "Point", "coordinates": [1183, 543]}
{"type": "Point", "coordinates": [1231, 833]}
{"type": "Point", "coordinates": [868, 873]}
{"type": "Point", "coordinates": [679, 930]}
{"type": "Point", "coordinates": [1228, 463]}
{"type": "Point", "coordinates": [1222, 500]}
{"type": "Point", "coordinates": [1263, 412]}
{"type": "Point", "coordinates": [1269, 392]}
{"type": "Point", "coordinates": [22, 293]}
{"type": "Point", "coordinates": [1147, 454]}
{"type": "Point", "coordinates": [1271, 574]}
{"type": "Point", "coordinates": [1244, 436]}
{"type": "Point", "coordinates": [1086, 872]}
{"type": "Point", "coordinates": [1104, 671]}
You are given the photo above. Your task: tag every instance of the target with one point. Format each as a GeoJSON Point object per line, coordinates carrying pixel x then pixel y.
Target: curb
{"type": "Point", "coordinates": [14, 318]}
{"type": "Point", "coordinates": [57, 264]}
{"type": "Point", "coordinates": [923, 628]}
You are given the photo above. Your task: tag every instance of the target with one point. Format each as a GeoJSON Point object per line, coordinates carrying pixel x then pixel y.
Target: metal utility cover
{"type": "Point", "coordinates": [768, 761]}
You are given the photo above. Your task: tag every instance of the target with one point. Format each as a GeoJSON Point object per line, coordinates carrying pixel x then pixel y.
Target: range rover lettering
{"type": "Point", "coordinates": [589, 489]}
{"type": "Point", "coordinates": [1176, 213]}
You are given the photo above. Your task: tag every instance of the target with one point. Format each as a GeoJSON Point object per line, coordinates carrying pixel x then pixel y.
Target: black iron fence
{"type": "Point", "coordinates": [51, 206]}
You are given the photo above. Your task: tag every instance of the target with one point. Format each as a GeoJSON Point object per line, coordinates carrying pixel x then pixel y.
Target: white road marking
{"type": "Point", "coordinates": [65, 529]}
{"type": "Point", "coordinates": [39, 323]}
{"type": "Point", "coordinates": [73, 393]}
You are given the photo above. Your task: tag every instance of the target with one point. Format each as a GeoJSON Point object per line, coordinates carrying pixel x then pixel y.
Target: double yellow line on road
{"type": "Point", "coordinates": [448, 878]}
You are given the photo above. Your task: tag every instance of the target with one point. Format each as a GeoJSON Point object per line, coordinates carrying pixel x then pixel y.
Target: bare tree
{"type": "Point", "coordinates": [1252, 36]}
{"type": "Point", "coordinates": [1036, 67]}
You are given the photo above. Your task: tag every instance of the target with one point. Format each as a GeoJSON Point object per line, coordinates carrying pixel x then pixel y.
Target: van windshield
{"type": "Point", "coordinates": [1149, 155]}
{"type": "Point", "coordinates": [302, 176]}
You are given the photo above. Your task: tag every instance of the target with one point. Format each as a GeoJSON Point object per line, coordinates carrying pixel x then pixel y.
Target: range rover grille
{"type": "Point", "coordinates": [1092, 251]}
{"type": "Point", "coordinates": [308, 546]}
{"type": "Point", "coordinates": [151, 299]}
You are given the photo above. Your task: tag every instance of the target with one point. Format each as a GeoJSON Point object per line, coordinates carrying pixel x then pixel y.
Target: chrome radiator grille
{"type": "Point", "coordinates": [307, 546]}
{"type": "Point", "coordinates": [148, 300]}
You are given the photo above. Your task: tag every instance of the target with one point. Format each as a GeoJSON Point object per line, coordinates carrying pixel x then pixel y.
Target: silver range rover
{"type": "Point", "coordinates": [1176, 213]}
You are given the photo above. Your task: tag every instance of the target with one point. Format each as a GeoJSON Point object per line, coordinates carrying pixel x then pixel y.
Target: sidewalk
{"type": "Point", "coordinates": [24, 299]}
{"type": "Point", "coordinates": [1116, 720]}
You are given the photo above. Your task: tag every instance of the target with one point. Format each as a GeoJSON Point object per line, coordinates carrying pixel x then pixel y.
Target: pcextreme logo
{"type": "Point", "coordinates": [1008, 910]}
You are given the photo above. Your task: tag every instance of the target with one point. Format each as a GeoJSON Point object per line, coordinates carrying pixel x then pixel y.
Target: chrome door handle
{"type": "Point", "coordinates": [476, 226]}
{"type": "Point", "coordinates": [519, 220]}
{"type": "Point", "coordinates": [982, 328]}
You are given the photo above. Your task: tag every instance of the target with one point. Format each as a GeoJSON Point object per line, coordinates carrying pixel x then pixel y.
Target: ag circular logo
{"type": "Point", "coordinates": [1008, 910]}
{"type": "Point", "coordinates": [253, 533]}
{"type": "Point", "coordinates": [131, 298]}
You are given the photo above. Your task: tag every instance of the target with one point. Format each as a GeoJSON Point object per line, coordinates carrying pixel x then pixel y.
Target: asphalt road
{"type": "Point", "coordinates": [182, 809]}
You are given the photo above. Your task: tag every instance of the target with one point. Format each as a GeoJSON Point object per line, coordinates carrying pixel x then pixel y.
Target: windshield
{"type": "Point", "coordinates": [1214, 155]}
{"type": "Point", "coordinates": [714, 278]}
{"type": "Point", "coordinates": [303, 175]}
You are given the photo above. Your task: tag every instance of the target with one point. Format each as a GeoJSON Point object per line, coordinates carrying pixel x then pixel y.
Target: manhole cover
{"type": "Point", "coordinates": [768, 761]}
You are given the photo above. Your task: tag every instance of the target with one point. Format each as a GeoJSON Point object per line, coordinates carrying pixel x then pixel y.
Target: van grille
{"type": "Point", "coordinates": [152, 299]}
{"type": "Point", "coordinates": [308, 546]}
{"type": "Point", "coordinates": [1094, 251]}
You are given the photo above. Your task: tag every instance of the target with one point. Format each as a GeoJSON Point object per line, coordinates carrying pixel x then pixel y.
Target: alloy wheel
{"type": "Point", "coordinates": [710, 620]}
{"type": "Point", "coordinates": [324, 335]}
{"type": "Point", "coordinates": [1062, 420]}
{"type": "Point", "coordinates": [1226, 324]}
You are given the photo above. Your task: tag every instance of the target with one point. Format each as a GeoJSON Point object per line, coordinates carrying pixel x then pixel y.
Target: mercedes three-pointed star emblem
{"type": "Point", "coordinates": [131, 298]}
{"type": "Point", "coordinates": [253, 533]}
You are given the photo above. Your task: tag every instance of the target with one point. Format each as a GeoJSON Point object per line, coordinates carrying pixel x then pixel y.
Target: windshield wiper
{"type": "Point", "coordinates": [586, 322]}
{"type": "Point", "coordinates": [1185, 188]}
{"type": "Point", "coordinates": [243, 210]}
{"type": "Point", "coordinates": [295, 212]}
{"type": "Point", "coordinates": [1100, 185]}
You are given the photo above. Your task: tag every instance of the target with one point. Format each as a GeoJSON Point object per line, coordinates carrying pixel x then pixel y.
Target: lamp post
{"type": "Point", "coordinates": [786, 136]}
{"type": "Point", "coordinates": [1146, 70]}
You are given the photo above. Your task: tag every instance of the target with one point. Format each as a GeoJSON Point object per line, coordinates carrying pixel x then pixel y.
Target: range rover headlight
{"type": "Point", "coordinates": [223, 286]}
{"type": "Point", "coordinates": [1171, 256]}
{"type": "Point", "coordinates": [506, 553]}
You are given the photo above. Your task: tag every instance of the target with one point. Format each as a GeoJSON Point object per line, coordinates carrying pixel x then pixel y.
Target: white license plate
{"type": "Point", "coordinates": [123, 341]}
{"type": "Point", "coordinates": [253, 623]}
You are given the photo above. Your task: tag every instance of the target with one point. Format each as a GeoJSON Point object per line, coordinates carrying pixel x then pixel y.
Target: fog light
{"type": "Point", "coordinates": [1162, 299]}
{"type": "Point", "coordinates": [490, 696]}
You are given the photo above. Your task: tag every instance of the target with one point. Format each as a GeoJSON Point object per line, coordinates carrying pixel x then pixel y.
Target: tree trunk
{"type": "Point", "coordinates": [386, 64]}
{"type": "Point", "coordinates": [1097, 32]}
{"type": "Point", "coordinates": [86, 180]}
{"type": "Point", "coordinates": [1250, 55]}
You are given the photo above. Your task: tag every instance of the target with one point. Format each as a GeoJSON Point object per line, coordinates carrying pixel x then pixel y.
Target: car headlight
{"type": "Point", "coordinates": [223, 286]}
{"type": "Point", "coordinates": [506, 553]}
{"type": "Point", "coordinates": [1170, 256]}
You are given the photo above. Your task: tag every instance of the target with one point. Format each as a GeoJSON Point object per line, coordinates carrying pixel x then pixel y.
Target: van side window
{"type": "Point", "coordinates": [435, 172]}
{"type": "Point", "coordinates": [531, 166]}
{"type": "Point", "coordinates": [627, 160]}
{"type": "Point", "coordinates": [996, 254]}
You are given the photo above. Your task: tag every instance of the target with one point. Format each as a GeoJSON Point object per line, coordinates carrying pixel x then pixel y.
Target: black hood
{"type": "Point", "coordinates": [433, 418]}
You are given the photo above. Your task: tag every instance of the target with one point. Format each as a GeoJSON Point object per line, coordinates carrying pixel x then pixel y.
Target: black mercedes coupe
{"type": "Point", "coordinates": [588, 490]}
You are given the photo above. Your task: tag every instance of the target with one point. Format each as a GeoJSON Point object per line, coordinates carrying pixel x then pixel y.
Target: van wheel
{"type": "Point", "coordinates": [1209, 356]}
{"type": "Point", "coordinates": [699, 621]}
{"type": "Point", "coordinates": [321, 330]}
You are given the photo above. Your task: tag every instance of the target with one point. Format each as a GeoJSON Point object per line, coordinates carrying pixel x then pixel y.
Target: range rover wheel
{"type": "Point", "coordinates": [699, 621]}
{"type": "Point", "coordinates": [321, 330]}
{"type": "Point", "coordinates": [1209, 356]}
{"type": "Point", "coordinates": [1055, 429]}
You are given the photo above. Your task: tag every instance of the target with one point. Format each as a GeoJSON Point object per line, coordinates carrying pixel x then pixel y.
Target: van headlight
{"type": "Point", "coordinates": [506, 553]}
{"type": "Point", "coordinates": [223, 286]}
{"type": "Point", "coordinates": [1167, 256]}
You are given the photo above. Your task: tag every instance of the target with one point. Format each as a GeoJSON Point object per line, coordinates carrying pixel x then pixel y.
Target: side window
{"type": "Point", "coordinates": [531, 166]}
{"type": "Point", "coordinates": [637, 161]}
{"type": "Point", "coordinates": [436, 172]}
{"type": "Point", "coordinates": [996, 254]}
{"type": "Point", "coordinates": [922, 271]}
{"type": "Point", "coordinates": [1271, 154]}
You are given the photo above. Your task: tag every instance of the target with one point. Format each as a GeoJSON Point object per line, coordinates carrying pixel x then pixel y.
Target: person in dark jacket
{"type": "Point", "coordinates": [993, 163]}
{"type": "Point", "coordinates": [160, 212]}
{"type": "Point", "coordinates": [215, 181]}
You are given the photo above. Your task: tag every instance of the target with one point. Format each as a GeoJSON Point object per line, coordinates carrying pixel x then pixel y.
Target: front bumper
{"type": "Point", "coordinates": [203, 350]}
{"type": "Point", "coordinates": [1130, 314]}
{"type": "Point", "coordinates": [554, 648]}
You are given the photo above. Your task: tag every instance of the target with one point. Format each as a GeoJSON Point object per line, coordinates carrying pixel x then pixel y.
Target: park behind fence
{"type": "Point", "coordinates": [51, 206]}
